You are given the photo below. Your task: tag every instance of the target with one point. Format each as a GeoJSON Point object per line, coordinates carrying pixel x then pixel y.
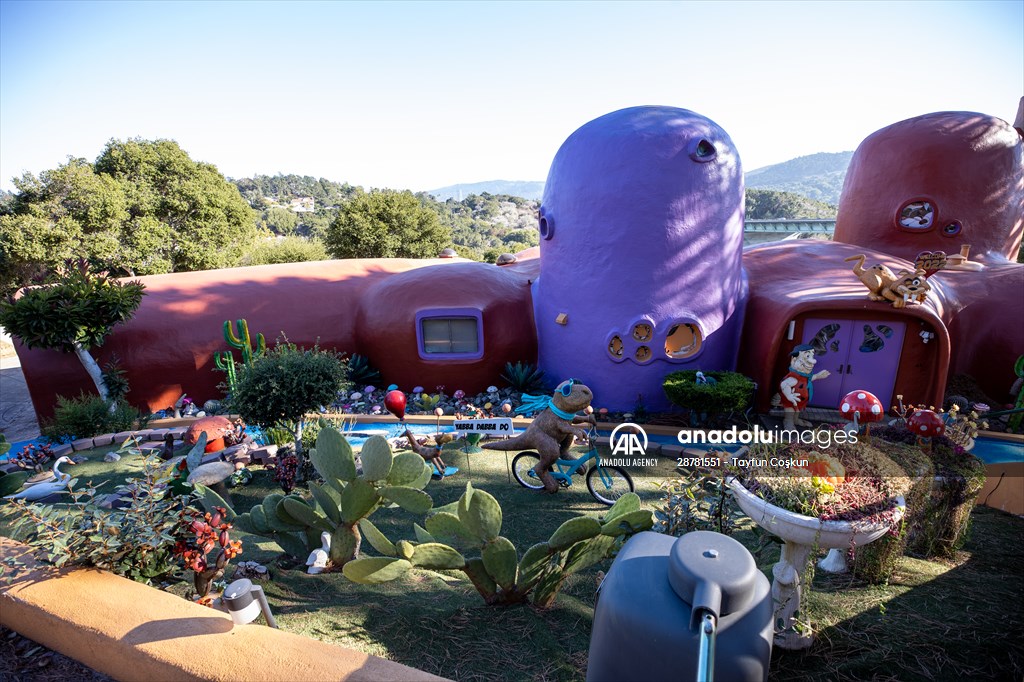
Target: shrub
{"type": "Point", "coordinates": [730, 392]}
{"type": "Point", "coordinates": [361, 372]}
{"type": "Point", "coordinates": [498, 572]}
{"type": "Point", "coordinates": [136, 542]}
{"type": "Point", "coordinates": [286, 250]}
{"type": "Point", "coordinates": [523, 377]}
{"type": "Point", "coordinates": [87, 416]}
{"type": "Point", "coordinates": [285, 383]}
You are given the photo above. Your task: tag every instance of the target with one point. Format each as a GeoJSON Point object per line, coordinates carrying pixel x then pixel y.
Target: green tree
{"type": "Point", "coordinates": [386, 224]}
{"type": "Point", "coordinates": [210, 223]}
{"type": "Point", "coordinates": [285, 383]}
{"type": "Point", "coordinates": [143, 208]}
{"type": "Point", "coordinates": [73, 315]}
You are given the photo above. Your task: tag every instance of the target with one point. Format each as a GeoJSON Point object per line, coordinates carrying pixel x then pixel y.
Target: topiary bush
{"type": "Point", "coordinates": [876, 562]}
{"type": "Point", "coordinates": [285, 383]}
{"type": "Point", "coordinates": [730, 392]}
{"type": "Point", "coordinates": [87, 416]}
{"type": "Point", "coordinates": [943, 524]}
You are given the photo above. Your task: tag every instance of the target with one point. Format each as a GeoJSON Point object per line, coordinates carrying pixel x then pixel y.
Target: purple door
{"type": "Point", "coordinates": [860, 354]}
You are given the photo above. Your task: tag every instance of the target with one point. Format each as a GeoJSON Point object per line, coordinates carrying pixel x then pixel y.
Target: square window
{"type": "Point", "coordinates": [447, 333]}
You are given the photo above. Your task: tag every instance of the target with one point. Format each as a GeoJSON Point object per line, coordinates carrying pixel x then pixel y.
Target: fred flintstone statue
{"type": "Point", "coordinates": [797, 387]}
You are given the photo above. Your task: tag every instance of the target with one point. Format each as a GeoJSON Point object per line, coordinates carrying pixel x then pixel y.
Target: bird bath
{"type": "Point", "coordinates": [800, 535]}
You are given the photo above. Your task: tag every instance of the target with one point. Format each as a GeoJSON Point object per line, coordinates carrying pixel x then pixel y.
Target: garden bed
{"type": "Point", "coordinates": [438, 624]}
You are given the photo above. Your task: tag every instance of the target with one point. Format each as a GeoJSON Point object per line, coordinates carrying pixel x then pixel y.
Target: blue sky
{"type": "Point", "coordinates": [425, 94]}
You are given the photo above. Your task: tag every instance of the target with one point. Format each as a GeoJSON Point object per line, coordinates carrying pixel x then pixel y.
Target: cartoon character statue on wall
{"type": "Point", "coordinates": [552, 431]}
{"type": "Point", "coordinates": [797, 386]}
{"type": "Point", "coordinates": [900, 290]}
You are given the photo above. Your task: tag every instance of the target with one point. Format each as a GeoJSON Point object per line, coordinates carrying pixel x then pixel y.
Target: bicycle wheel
{"type": "Point", "coordinates": [522, 469]}
{"type": "Point", "coordinates": [608, 484]}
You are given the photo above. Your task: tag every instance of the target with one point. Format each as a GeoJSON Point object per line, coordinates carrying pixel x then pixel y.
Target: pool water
{"type": "Point", "coordinates": [989, 450]}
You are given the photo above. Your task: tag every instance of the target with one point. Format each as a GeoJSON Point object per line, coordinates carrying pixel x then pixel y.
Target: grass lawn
{"type": "Point", "coordinates": [934, 620]}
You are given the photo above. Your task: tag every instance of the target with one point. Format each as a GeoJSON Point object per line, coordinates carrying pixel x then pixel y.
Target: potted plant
{"type": "Point", "coordinates": [811, 500]}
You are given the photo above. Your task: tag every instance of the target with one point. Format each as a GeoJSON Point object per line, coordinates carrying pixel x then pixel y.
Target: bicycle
{"type": "Point", "coordinates": [605, 483]}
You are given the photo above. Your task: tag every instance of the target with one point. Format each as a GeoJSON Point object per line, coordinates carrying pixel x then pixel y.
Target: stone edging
{"type": "Point", "coordinates": [134, 632]}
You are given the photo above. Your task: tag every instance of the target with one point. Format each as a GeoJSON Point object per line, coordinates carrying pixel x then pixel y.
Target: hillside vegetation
{"type": "Point", "coordinates": [817, 176]}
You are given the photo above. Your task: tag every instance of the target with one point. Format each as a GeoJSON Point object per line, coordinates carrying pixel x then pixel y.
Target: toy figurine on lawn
{"type": "Point", "coordinates": [552, 432]}
{"type": "Point", "coordinates": [797, 386]}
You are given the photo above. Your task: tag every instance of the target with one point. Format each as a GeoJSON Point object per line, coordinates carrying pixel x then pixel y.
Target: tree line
{"type": "Point", "coordinates": [145, 207]}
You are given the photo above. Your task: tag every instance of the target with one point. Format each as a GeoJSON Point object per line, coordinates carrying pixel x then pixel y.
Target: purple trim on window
{"type": "Point", "coordinates": [449, 314]}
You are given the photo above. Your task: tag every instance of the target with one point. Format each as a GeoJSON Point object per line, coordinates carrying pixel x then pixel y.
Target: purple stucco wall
{"type": "Point", "coordinates": [644, 213]}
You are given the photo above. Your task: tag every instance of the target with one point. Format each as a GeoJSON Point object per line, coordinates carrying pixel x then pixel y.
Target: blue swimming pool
{"type": "Point", "coordinates": [989, 450]}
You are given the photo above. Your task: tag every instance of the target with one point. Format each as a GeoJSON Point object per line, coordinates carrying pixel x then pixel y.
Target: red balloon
{"type": "Point", "coordinates": [394, 402]}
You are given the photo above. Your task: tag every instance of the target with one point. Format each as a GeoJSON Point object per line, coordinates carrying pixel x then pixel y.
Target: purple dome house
{"type": "Point", "coordinates": [641, 230]}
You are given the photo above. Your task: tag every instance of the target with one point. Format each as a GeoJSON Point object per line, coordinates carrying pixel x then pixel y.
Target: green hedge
{"type": "Point", "coordinates": [731, 392]}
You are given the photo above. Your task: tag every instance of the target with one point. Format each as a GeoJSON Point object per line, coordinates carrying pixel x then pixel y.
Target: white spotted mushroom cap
{"type": "Point", "coordinates": [863, 405]}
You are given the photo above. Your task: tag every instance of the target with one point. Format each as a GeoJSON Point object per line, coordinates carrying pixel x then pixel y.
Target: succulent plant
{"type": "Point", "coordinates": [428, 402]}
{"type": "Point", "coordinates": [342, 505]}
{"type": "Point", "coordinates": [523, 377]}
{"type": "Point", "coordinates": [360, 371]}
{"type": "Point", "coordinates": [496, 569]}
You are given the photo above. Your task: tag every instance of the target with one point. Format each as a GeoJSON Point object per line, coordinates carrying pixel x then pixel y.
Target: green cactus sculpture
{"type": "Point", "coordinates": [243, 342]}
{"type": "Point", "coordinates": [342, 505]}
{"type": "Point", "coordinates": [225, 360]}
{"type": "Point", "coordinates": [1018, 369]}
{"type": "Point", "coordinates": [499, 574]}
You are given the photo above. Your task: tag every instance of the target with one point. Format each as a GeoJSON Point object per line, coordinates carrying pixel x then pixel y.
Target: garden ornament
{"type": "Point", "coordinates": [861, 407]}
{"type": "Point", "coordinates": [215, 428]}
{"type": "Point", "coordinates": [432, 455]}
{"type": "Point", "coordinates": [41, 490]}
{"type": "Point", "coordinates": [926, 424]}
{"type": "Point", "coordinates": [394, 402]}
{"type": "Point", "coordinates": [551, 433]}
{"type": "Point", "coordinates": [796, 386]}
{"type": "Point", "coordinates": [318, 558]}
{"type": "Point", "coordinates": [902, 289]}
{"type": "Point", "coordinates": [245, 601]}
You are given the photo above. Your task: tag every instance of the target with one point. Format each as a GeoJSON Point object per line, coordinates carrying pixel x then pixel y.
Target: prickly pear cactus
{"type": "Point", "coordinates": [499, 573]}
{"type": "Point", "coordinates": [343, 505]}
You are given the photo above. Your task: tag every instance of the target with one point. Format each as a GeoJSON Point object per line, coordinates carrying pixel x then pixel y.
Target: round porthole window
{"type": "Point", "coordinates": [546, 226]}
{"type": "Point", "coordinates": [952, 229]}
{"type": "Point", "coordinates": [615, 347]}
{"type": "Point", "coordinates": [643, 354]}
{"type": "Point", "coordinates": [642, 331]}
{"type": "Point", "coordinates": [703, 150]}
{"type": "Point", "coordinates": [917, 215]}
{"type": "Point", "coordinates": [683, 341]}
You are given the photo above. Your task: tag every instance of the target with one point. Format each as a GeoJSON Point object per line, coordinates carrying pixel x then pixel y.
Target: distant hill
{"type": "Point", "coordinates": [818, 176]}
{"type": "Point", "coordinates": [527, 189]}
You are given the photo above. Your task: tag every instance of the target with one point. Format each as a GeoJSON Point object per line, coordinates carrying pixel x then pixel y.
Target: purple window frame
{"type": "Point", "coordinates": [447, 314]}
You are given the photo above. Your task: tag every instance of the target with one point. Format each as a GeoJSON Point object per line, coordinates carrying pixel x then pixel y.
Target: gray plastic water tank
{"type": "Point", "coordinates": [646, 624]}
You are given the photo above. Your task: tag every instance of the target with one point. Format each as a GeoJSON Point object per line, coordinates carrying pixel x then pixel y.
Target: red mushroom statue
{"type": "Point", "coordinates": [926, 424]}
{"type": "Point", "coordinates": [862, 407]}
{"type": "Point", "coordinates": [216, 428]}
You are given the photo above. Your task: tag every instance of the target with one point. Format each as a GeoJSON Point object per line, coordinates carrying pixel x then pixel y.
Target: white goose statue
{"type": "Point", "coordinates": [41, 490]}
{"type": "Point", "coordinates": [318, 558]}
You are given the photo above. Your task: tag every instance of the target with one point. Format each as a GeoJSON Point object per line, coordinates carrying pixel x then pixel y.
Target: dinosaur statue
{"type": "Point", "coordinates": [551, 432]}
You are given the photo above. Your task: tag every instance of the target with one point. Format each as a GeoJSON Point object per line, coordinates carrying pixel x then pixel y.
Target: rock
{"type": "Point", "coordinates": [264, 454]}
{"type": "Point", "coordinates": [200, 413]}
{"type": "Point", "coordinates": [101, 441]}
{"type": "Point", "coordinates": [111, 457]}
{"type": "Point", "coordinates": [212, 473]}
{"type": "Point", "coordinates": [81, 444]}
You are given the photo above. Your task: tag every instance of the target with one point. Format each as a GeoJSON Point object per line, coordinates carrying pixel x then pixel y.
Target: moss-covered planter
{"type": "Point", "coordinates": [940, 526]}
{"type": "Point", "coordinates": [876, 563]}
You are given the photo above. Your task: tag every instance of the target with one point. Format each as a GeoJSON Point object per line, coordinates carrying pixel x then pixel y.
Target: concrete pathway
{"type": "Point", "coordinates": [17, 416]}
